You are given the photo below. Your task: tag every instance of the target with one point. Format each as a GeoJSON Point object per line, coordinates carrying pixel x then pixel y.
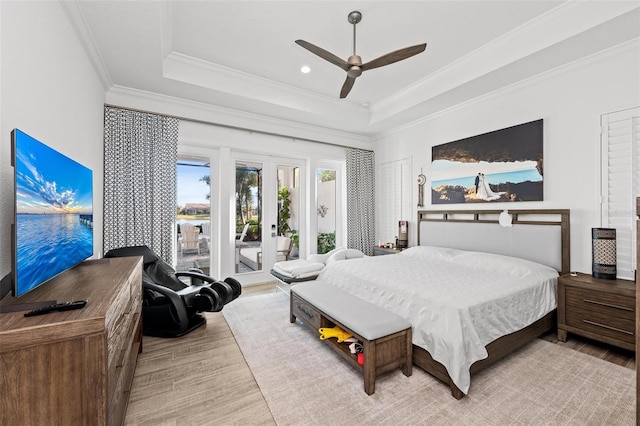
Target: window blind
{"type": "Point", "coordinates": [621, 183]}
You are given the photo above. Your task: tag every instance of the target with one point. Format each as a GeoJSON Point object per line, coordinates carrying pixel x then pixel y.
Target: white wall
{"type": "Point", "coordinates": [571, 101]}
{"type": "Point", "coordinates": [49, 90]}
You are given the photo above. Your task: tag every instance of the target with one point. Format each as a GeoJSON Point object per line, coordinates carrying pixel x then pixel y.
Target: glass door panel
{"type": "Point", "coordinates": [248, 216]}
{"type": "Point", "coordinates": [289, 212]}
{"type": "Point", "coordinates": [193, 213]}
{"type": "Point", "coordinates": [269, 214]}
{"type": "Point", "coordinates": [326, 209]}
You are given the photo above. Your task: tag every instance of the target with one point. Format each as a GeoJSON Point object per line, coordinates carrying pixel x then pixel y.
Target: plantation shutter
{"type": "Point", "coordinates": [394, 198]}
{"type": "Point", "coordinates": [621, 183]}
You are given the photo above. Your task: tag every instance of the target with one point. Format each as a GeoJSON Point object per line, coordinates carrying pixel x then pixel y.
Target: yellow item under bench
{"type": "Point", "coordinates": [337, 332]}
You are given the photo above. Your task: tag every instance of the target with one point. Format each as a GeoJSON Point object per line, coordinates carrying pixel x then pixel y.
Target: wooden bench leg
{"type": "Point", "coordinates": [369, 370]}
{"type": "Point", "coordinates": [292, 318]}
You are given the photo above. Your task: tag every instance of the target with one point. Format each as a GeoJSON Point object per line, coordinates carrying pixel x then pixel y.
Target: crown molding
{"type": "Point", "coordinates": [79, 24]}
{"type": "Point", "coordinates": [166, 33]}
{"type": "Point", "coordinates": [558, 24]}
{"type": "Point", "coordinates": [631, 45]}
{"type": "Point", "coordinates": [187, 69]}
{"type": "Point", "coordinates": [226, 117]}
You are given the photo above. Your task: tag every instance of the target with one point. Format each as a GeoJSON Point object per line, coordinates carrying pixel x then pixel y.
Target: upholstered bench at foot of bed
{"type": "Point", "coordinates": [385, 336]}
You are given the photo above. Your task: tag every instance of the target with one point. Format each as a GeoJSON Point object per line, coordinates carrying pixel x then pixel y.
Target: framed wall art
{"type": "Point", "coordinates": [501, 166]}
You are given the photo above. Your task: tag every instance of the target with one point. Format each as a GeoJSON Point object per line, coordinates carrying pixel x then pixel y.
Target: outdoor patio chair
{"type": "Point", "coordinates": [252, 256]}
{"type": "Point", "coordinates": [206, 234]}
{"type": "Point", "coordinates": [240, 237]}
{"type": "Point", "coordinates": [189, 238]}
{"type": "Point", "coordinates": [206, 229]}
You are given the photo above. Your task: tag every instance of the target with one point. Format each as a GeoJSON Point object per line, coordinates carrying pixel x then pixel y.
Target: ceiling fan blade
{"type": "Point", "coordinates": [328, 56]}
{"type": "Point", "coordinates": [346, 87]}
{"type": "Point", "coordinates": [394, 56]}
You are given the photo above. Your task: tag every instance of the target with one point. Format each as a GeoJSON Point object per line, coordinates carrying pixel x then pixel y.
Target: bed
{"type": "Point", "coordinates": [473, 290]}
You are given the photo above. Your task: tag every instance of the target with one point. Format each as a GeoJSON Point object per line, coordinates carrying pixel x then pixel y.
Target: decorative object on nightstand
{"type": "Point", "coordinates": [598, 309]}
{"type": "Point", "coordinates": [403, 234]}
{"type": "Point", "coordinates": [603, 253]}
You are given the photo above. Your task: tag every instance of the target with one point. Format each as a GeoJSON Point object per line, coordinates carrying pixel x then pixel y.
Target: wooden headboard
{"type": "Point", "coordinates": [538, 235]}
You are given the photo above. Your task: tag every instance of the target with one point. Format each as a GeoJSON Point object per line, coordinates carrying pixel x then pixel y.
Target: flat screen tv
{"type": "Point", "coordinates": [53, 213]}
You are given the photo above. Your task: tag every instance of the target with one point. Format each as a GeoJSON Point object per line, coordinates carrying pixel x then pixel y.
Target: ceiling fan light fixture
{"type": "Point", "coordinates": [353, 65]}
{"type": "Point", "coordinates": [354, 71]}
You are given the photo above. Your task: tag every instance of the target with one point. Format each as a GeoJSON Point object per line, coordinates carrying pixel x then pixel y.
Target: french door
{"type": "Point", "coordinates": [268, 213]}
{"type": "Point", "coordinates": [193, 216]}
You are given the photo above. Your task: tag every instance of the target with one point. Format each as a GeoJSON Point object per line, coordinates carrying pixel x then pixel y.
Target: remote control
{"type": "Point", "coordinates": [67, 306]}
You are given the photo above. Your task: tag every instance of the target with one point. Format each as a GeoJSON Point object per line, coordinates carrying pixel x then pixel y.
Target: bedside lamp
{"type": "Point", "coordinates": [403, 234]}
{"type": "Point", "coordinates": [603, 253]}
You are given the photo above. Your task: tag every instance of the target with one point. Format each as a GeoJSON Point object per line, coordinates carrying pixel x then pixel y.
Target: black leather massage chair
{"type": "Point", "coordinates": [171, 307]}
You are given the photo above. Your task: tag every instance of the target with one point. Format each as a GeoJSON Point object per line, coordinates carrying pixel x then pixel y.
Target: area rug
{"type": "Point", "coordinates": [306, 383]}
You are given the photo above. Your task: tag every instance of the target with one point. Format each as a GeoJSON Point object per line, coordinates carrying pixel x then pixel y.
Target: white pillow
{"type": "Point", "coordinates": [432, 252]}
{"type": "Point", "coordinates": [317, 258]}
{"type": "Point", "coordinates": [501, 264]}
{"type": "Point", "coordinates": [353, 253]}
{"type": "Point", "coordinates": [338, 255]}
{"type": "Point", "coordinates": [322, 258]}
{"type": "Point", "coordinates": [344, 254]}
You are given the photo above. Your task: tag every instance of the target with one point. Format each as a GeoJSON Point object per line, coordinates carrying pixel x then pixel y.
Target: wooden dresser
{"type": "Point", "coordinates": [599, 309]}
{"type": "Point", "coordinates": [74, 367]}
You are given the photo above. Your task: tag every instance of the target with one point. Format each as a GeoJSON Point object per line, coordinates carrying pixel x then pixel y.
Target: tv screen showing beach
{"type": "Point", "coordinates": [54, 213]}
{"type": "Point", "coordinates": [501, 166]}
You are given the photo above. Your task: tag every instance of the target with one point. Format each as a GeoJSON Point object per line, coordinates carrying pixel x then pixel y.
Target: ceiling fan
{"type": "Point", "coordinates": [354, 66]}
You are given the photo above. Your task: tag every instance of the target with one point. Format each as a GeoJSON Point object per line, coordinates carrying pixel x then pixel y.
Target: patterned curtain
{"type": "Point", "coordinates": [140, 153]}
{"type": "Point", "coordinates": [360, 199]}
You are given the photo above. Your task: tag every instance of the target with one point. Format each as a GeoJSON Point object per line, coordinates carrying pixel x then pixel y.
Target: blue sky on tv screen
{"type": "Point", "coordinates": [48, 181]}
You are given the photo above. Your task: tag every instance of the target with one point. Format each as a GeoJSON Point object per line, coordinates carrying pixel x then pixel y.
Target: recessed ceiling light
{"type": "Point", "coordinates": [305, 69]}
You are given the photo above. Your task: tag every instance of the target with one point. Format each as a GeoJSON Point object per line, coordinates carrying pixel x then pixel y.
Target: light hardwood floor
{"type": "Point", "coordinates": [198, 379]}
{"type": "Point", "coordinates": [203, 379]}
{"type": "Point", "coordinates": [609, 353]}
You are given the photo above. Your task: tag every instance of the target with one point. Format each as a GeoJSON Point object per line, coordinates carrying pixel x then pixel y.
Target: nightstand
{"type": "Point", "coordinates": [602, 310]}
{"type": "Point", "coordinates": [381, 251]}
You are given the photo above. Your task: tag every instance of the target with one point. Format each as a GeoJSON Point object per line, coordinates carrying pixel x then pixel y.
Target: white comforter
{"type": "Point", "coordinates": [456, 301]}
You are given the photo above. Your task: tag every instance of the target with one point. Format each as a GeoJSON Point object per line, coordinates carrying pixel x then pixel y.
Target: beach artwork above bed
{"type": "Point", "coordinates": [501, 166]}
